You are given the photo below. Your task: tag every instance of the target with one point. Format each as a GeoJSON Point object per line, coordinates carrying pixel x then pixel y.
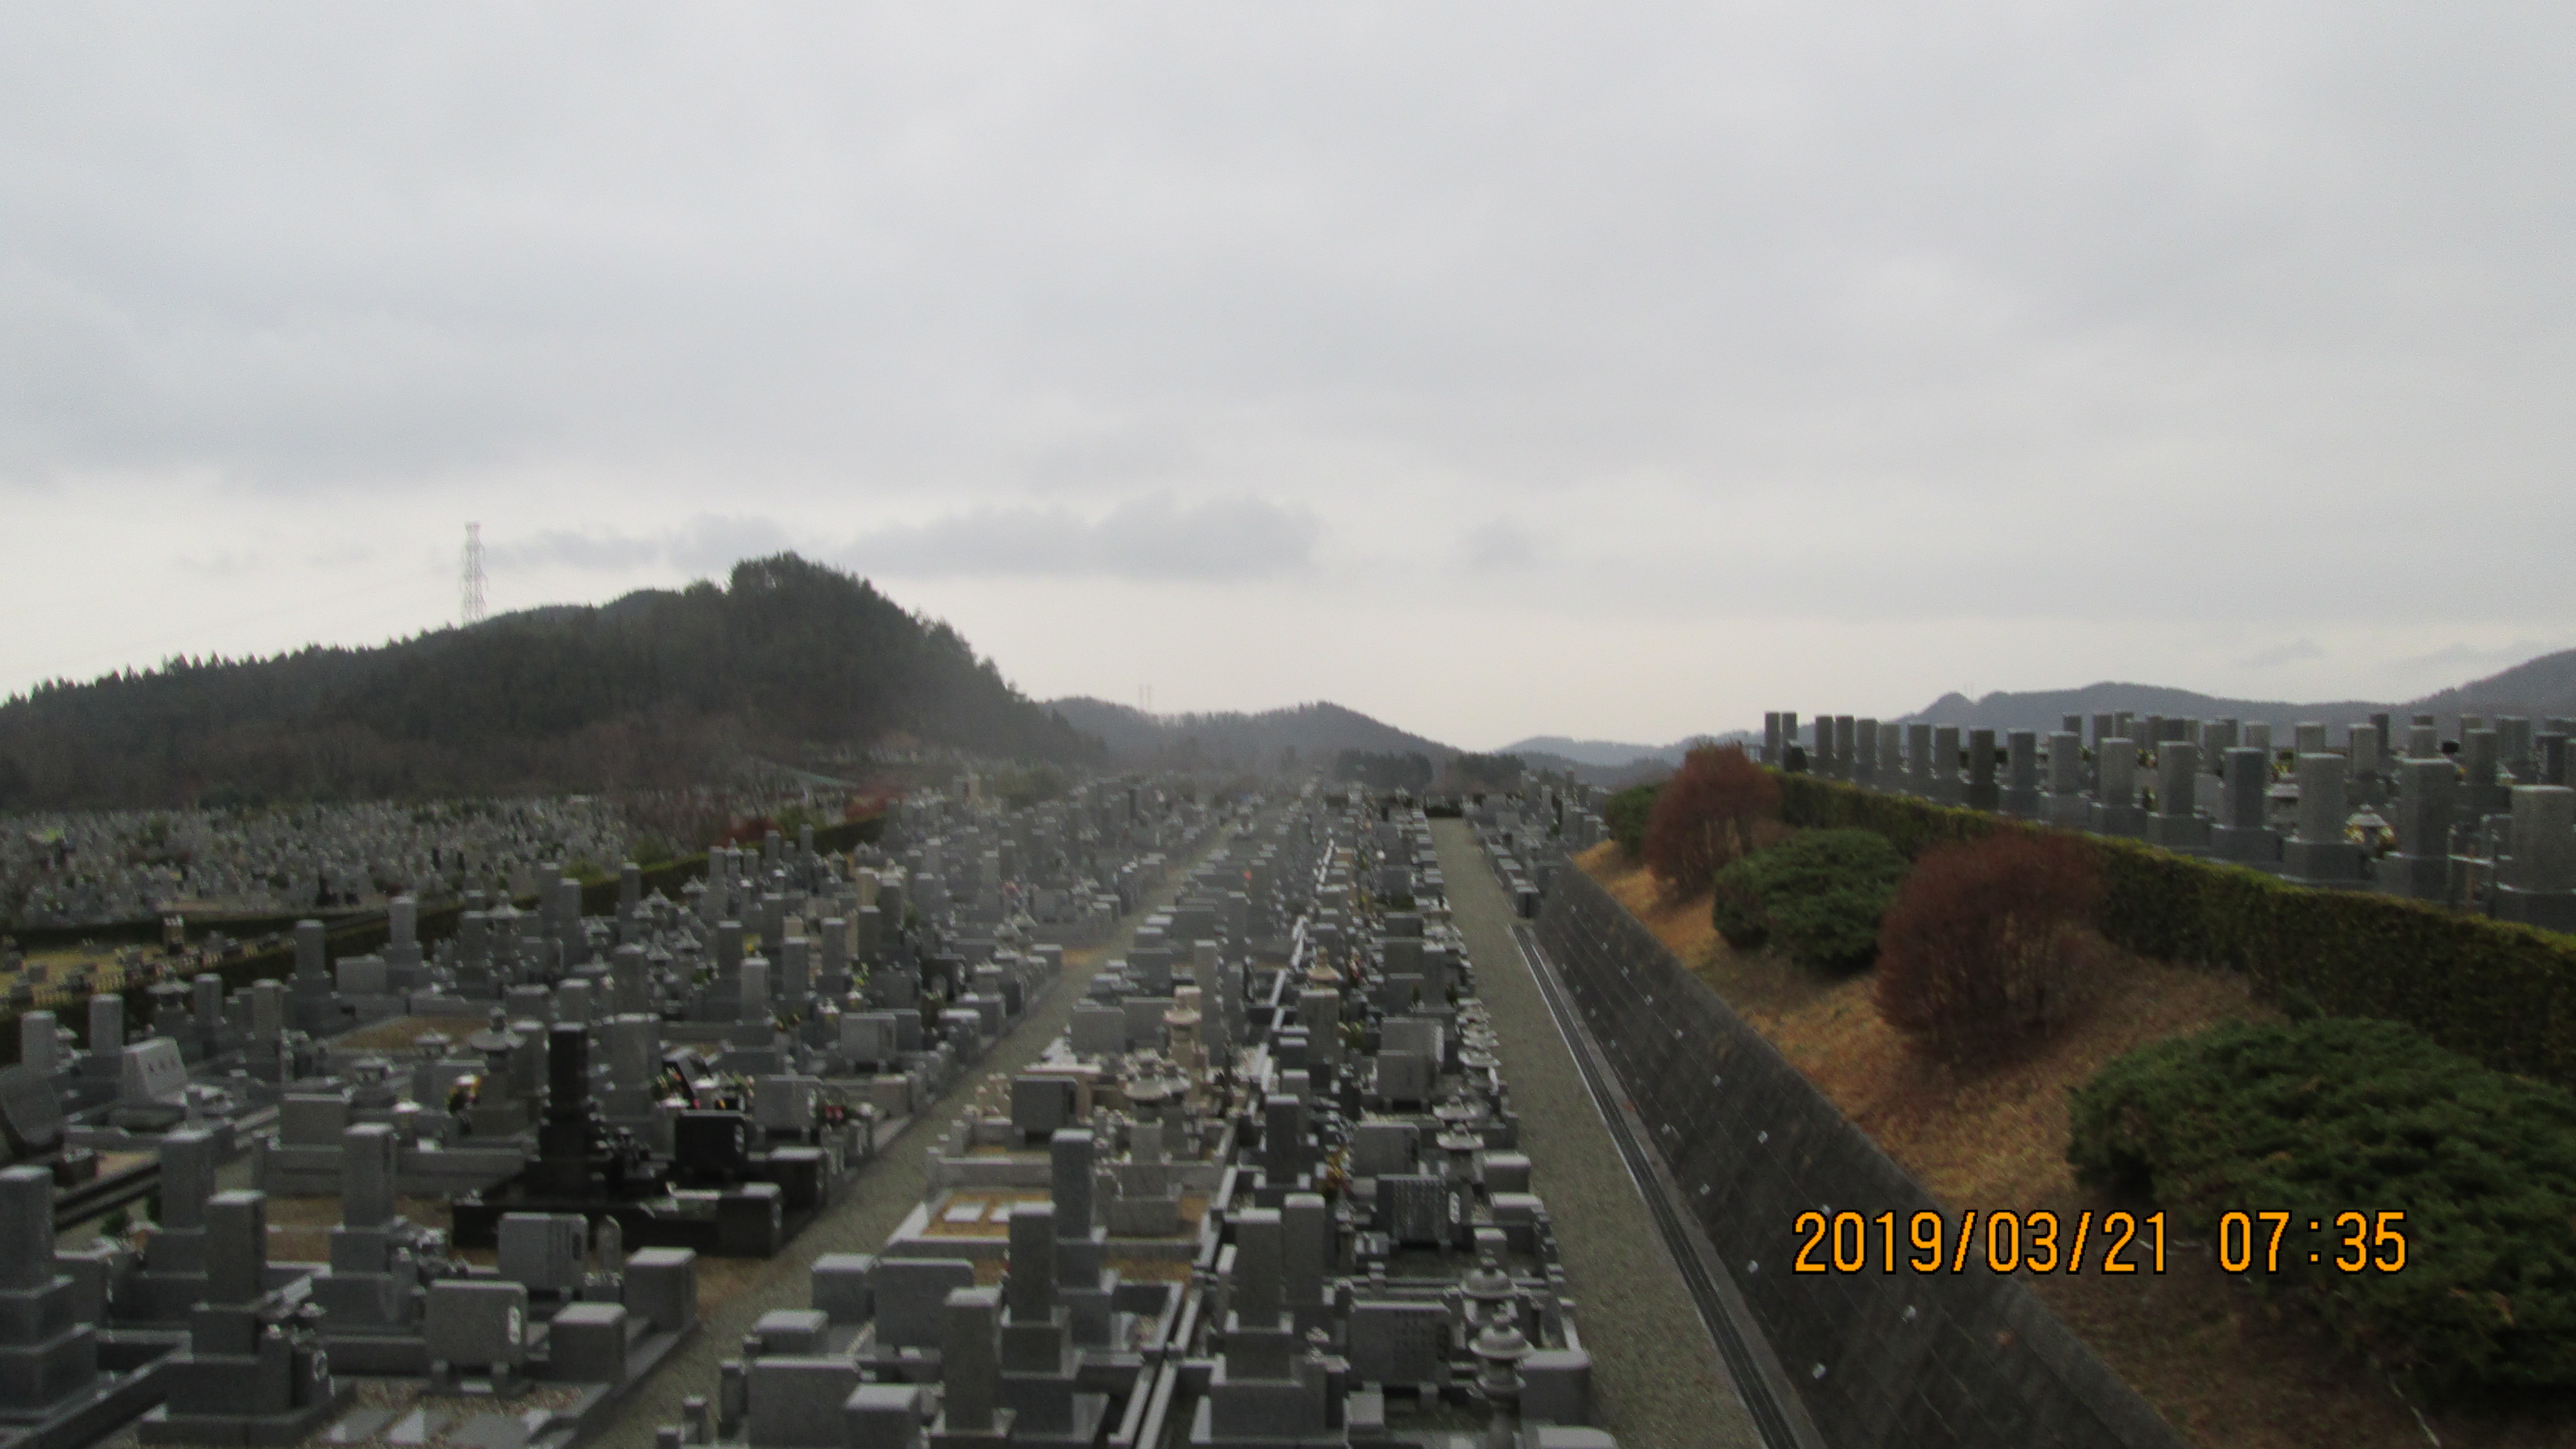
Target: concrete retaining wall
{"type": "Point", "coordinates": [1899, 1360]}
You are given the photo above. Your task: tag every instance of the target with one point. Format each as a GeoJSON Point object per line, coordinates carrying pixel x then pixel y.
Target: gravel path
{"type": "Point", "coordinates": [886, 1191]}
{"type": "Point", "coordinates": [1655, 1373]}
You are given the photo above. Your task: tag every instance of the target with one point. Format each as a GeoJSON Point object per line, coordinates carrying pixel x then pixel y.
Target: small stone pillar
{"type": "Point", "coordinates": [106, 1028]}
{"type": "Point", "coordinates": [402, 936]}
{"type": "Point", "coordinates": [2021, 777]}
{"type": "Point", "coordinates": [49, 1357]}
{"type": "Point", "coordinates": [2482, 793]}
{"type": "Point", "coordinates": [2551, 746]}
{"type": "Point", "coordinates": [971, 1414]}
{"type": "Point", "coordinates": [1982, 791]}
{"type": "Point", "coordinates": [2423, 739]}
{"type": "Point", "coordinates": [2317, 853]}
{"type": "Point", "coordinates": [2067, 807]}
{"type": "Point", "coordinates": [1945, 765]}
{"type": "Point", "coordinates": [2536, 885]}
{"type": "Point", "coordinates": [39, 1048]}
{"type": "Point", "coordinates": [2177, 824]}
{"type": "Point", "coordinates": [2115, 799]}
{"type": "Point", "coordinates": [2420, 867]}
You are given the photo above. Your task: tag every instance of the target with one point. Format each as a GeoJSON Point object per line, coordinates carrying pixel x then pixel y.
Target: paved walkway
{"type": "Point", "coordinates": [887, 1190]}
{"type": "Point", "coordinates": [1655, 1373]}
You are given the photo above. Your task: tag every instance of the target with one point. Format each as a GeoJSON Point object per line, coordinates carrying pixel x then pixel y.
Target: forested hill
{"type": "Point", "coordinates": [656, 689]}
{"type": "Point", "coordinates": [1307, 736]}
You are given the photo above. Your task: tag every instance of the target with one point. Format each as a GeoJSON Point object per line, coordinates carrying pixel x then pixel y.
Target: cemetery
{"type": "Point", "coordinates": [1266, 1185]}
{"type": "Point", "coordinates": [536, 1128]}
{"type": "Point", "coordinates": [1267, 1189]}
{"type": "Point", "coordinates": [108, 867]}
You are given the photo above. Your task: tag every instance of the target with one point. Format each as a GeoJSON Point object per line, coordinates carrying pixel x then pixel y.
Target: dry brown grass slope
{"type": "Point", "coordinates": [2230, 1369]}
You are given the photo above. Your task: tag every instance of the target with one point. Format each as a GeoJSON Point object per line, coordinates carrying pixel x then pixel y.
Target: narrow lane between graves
{"type": "Point", "coordinates": [887, 1189]}
{"type": "Point", "coordinates": [1656, 1373]}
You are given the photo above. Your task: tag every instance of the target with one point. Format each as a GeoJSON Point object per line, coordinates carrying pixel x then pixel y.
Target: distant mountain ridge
{"type": "Point", "coordinates": [1614, 754]}
{"type": "Point", "coordinates": [2538, 688]}
{"type": "Point", "coordinates": [654, 690]}
{"type": "Point", "coordinates": [1600, 754]}
{"type": "Point", "coordinates": [1317, 732]}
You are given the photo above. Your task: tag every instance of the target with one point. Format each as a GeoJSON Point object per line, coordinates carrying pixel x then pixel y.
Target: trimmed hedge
{"type": "Point", "coordinates": [2502, 993]}
{"type": "Point", "coordinates": [1818, 895]}
{"type": "Point", "coordinates": [1912, 826]}
{"type": "Point", "coordinates": [2327, 1117]}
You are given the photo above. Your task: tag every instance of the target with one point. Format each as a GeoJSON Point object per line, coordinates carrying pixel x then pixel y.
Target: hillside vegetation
{"type": "Point", "coordinates": [2229, 1366]}
{"type": "Point", "coordinates": [1287, 741]}
{"type": "Point", "coordinates": [654, 690]}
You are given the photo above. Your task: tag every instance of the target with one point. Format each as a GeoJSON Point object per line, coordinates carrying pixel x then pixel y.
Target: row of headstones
{"type": "Point", "coordinates": [1866, 751]}
{"type": "Point", "coordinates": [345, 850]}
{"type": "Point", "coordinates": [2433, 795]}
{"type": "Point", "coordinates": [203, 1021]}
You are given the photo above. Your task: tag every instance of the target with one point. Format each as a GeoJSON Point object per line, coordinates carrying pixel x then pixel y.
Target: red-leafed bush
{"type": "Point", "coordinates": [1705, 815]}
{"type": "Point", "coordinates": [1988, 944]}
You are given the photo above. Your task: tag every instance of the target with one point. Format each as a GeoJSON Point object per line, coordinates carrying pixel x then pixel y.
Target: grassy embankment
{"type": "Point", "coordinates": [2224, 1365]}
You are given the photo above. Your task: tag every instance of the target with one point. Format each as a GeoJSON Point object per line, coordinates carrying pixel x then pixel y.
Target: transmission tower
{"type": "Point", "coordinates": [470, 577]}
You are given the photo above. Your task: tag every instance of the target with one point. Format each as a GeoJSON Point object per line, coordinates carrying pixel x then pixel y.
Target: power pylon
{"type": "Point", "coordinates": [470, 577]}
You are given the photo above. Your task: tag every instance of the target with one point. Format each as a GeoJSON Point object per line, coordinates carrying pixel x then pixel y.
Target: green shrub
{"type": "Point", "coordinates": [1834, 930]}
{"type": "Point", "coordinates": [1737, 908]}
{"type": "Point", "coordinates": [2325, 1117]}
{"type": "Point", "coordinates": [1626, 814]}
{"type": "Point", "coordinates": [1817, 896]}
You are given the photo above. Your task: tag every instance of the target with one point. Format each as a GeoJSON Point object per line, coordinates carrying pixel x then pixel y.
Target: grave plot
{"type": "Point", "coordinates": [1267, 1189]}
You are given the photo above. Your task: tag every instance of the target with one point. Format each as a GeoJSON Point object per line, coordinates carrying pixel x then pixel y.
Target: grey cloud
{"type": "Point", "coordinates": [562, 548]}
{"type": "Point", "coordinates": [2255, 317]}
{"type": "Point", "coordinates": [712, 545]}
{"type": "Point", "coordinates": [2296, 652]}
{"type": "Point", "coordinates": [1153, 538]}
{"type": "Point", "coordinates": [707, 544]}
{"type": "Point", "coordinates": [1496, 546]}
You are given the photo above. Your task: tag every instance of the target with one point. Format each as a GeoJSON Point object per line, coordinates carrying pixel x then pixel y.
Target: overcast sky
{"type": "Point", "coordinates": [1612, 370]}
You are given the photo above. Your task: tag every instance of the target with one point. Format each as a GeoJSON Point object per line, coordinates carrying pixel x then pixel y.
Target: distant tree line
{"type": "Point", "coordinates": [1409, 770]}
{"type": "Point", "coordinates": [656, 691]}
{"type": "Point", "coordinates": [1479, 774]}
